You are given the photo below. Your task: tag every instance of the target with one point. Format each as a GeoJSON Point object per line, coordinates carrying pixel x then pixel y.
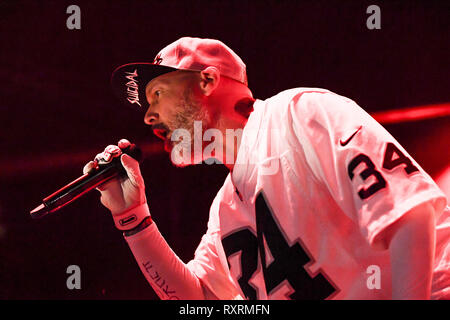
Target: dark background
{"type": "Point", "coordinates": [57, 112]}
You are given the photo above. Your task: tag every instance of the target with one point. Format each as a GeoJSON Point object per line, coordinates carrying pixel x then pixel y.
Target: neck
{"type": "Point", "coordinates": [231, 124]}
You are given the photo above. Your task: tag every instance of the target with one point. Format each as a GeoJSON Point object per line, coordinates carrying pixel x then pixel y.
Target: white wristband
{"type": "Point", "coordinates": [131, 218]}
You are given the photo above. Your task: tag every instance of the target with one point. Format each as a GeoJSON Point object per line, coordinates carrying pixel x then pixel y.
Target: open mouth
{"type": "Point", "coordinates": [161, 133]}
{"type": "Point", "coordinates": [168, 146]}
{"type": "Point", "coordinates": [164, 134]}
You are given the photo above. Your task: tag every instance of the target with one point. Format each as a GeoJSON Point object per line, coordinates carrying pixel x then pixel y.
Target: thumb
{"type": "Point", "coordinates": [133, 171]}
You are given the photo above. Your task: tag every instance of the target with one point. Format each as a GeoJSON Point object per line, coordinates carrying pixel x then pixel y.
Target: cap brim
{"type": "Point", "coordinates": [130, 80]}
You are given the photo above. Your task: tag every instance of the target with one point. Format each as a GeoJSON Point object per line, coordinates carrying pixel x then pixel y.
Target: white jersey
{"type": "Point", "coordinates": [316, 183]}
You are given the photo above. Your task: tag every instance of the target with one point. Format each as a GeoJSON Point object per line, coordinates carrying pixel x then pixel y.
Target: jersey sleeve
{"type": "Point", "coordinates": [367, 172]}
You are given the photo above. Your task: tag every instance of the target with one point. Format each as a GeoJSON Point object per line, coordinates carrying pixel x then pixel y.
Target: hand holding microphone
{"type": "Point", "coordinates": [127, 191]}
{"type": "Point", "coordinates": [124, 196]}
{"type": "Point", "coordinates": [118, 178]}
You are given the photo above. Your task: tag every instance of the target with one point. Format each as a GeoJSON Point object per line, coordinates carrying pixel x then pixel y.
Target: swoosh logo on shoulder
{"type": "Point", "coordinates": [344, 143]}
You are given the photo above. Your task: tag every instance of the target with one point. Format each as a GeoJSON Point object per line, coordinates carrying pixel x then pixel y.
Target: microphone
{"type": "Point", "coordinates": [85, 183]}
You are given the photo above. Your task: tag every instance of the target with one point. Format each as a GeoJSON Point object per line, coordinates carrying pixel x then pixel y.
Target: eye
{"type": "Point", "coordinates": [157, 93]}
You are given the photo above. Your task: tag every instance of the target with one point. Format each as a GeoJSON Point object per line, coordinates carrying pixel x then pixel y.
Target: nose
{"type": "Point", "coordinates": [151, 117]}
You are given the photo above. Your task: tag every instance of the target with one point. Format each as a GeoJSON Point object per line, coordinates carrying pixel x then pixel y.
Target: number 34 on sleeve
{"type": "Point", "coordinates": [393, 157]}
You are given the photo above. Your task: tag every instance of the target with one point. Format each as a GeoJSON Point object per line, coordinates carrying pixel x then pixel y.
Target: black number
{"type": "Point", "coordinates": [366, 173]}
{"type": "Point", "coordinates": [288, 263]}
{"type": "Point", "coordinates": [245, 241]}
{"type": "Point", "coordinates": [389, 163]}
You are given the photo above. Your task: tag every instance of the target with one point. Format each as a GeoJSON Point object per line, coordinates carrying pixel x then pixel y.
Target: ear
{"type": "Point", "coordinates": [209, 80]}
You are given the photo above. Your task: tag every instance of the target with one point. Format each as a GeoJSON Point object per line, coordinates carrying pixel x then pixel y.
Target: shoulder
{"type": "Point", "coordinates": [289, 96]}
{"type": "Point", "coordinates": [314, 109]}
{"type": "Point", "coordinates": [310, 102]}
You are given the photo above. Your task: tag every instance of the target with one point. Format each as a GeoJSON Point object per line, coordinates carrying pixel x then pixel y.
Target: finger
{"type": "Point", "coordinates": [99, 156]}
{"type": "Point", "coordinates": [133, 171]}
{"type": "Point", "coordinates": [89, 167]}
{"type": "Point", "coordinates": [123, 143]}
{"type": "Point", "coordinates": [110, 187]}
{"type": "Point", "coordinates": [113, 149]}
{"type": "Point", "coordinates": [103, 157]}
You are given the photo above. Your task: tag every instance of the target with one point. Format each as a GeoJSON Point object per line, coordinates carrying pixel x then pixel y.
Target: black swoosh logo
{"type": "Point", "coordinates": [344, 143]}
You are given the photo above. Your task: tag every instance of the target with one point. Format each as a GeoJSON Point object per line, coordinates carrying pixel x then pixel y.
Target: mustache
{"type": "Point", "coordinates": [160, 126]}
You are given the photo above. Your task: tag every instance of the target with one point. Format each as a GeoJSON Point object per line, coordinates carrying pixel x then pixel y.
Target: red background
{"type": "Point", "coordinates": [57, 112]}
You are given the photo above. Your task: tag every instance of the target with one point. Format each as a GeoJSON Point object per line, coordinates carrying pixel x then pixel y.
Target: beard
{"type": "Point", "coordinates": [189, 114]}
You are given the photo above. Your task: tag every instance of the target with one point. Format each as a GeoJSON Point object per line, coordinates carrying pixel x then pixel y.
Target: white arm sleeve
{"type": "Point", "coordinates": [166, 273]}
{"type": "Point", "coordinates": [204, 277]}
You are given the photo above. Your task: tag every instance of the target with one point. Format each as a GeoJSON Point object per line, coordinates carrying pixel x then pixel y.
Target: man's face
{"type": "Point", "coordinates": [175, 102]}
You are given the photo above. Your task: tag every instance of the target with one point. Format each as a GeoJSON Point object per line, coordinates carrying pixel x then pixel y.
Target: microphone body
{"type": "Point", "coordinates": [84, 184]}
